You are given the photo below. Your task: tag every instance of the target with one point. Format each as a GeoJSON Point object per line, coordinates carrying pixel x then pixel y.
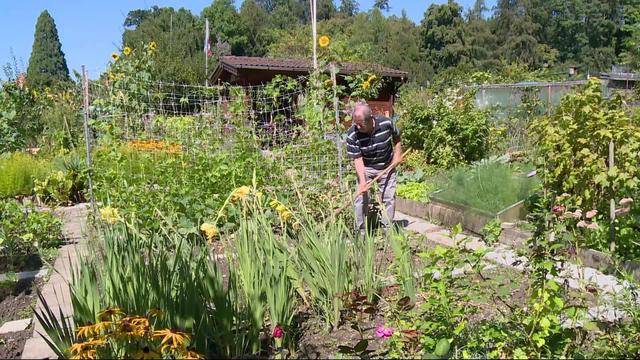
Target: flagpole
{"type": "Point", "coordinates": [314, 29]}
{"type": "Point", "coordinates": [206, 53]}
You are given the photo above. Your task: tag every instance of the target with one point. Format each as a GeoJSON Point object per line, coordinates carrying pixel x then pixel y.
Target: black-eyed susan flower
{"type": "Point", "coordinates": [172, 339]}
{"type": "Point", "coordinates": [147, 353]}
{"type": "Point", "coordinates": [115, 56]}
{"type": "Point", "coordinates": [324, 41]}
{"type": "Point", "coordinates": [152, 45]}
{"type": "Point", "coordinates": [126, 51]}
{"type": "Point", "coordinates": [110, 312]}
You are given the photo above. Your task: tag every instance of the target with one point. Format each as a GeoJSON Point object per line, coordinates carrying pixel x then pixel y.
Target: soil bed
{"type": "Point", "coordinates": [16, 301]}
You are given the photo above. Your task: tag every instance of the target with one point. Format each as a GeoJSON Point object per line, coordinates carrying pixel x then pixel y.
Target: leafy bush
{"type": "Point", "coordinates": [19, 173]}
{"type": "Point", "coordinates": [418, 191]}
{"type": "Point", "coordinates": [20, 121]}
{"type": "Point", "coordinates": [448, 128]}
{"type": "Point", "coordinates": [573, 150]}
{"type": "Point", "coordinates": [23, 231]}
{"type": "Point", "coordinates": [490, 187]}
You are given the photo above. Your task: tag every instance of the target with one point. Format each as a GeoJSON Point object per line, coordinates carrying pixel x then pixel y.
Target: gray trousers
{"type": "Point", "coordinates": [387, 185]}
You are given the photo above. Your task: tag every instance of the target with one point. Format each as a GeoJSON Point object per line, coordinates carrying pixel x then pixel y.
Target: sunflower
{"type": "Point", "coordinates": [324, 41]}
{"type": "Point", "coordinates": [127, 50]}
{"type": "Point", "coordinates": [152, 45]}
{"type": "Point", "coordinates": [115, 56]}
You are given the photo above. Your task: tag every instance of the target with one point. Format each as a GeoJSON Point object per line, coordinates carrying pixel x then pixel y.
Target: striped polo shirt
{"type": "Point", "coordinates": [376, 149]}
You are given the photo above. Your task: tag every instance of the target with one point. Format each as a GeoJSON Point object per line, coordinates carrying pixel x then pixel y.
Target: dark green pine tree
{"type": "Point", "coordinates": [47, 65]}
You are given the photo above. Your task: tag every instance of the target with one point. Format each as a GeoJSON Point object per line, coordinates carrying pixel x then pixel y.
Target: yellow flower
{"type": "Point", "coordinates": [127, 50]}
{"type": "Point", "coordinates": [211, 231]}
{"type": "Point", "coordinates": [274, 203]}
{"type": "Point", "coordinates": [110, 215]}
{"type": "Point", "coordinates": [281, 208]}
{"type": "Point", "coordinates": [171, 338]}
{"type": "Point", "coordinates": [366, 85]}
{"type": "Point", "coordinates": [371, 78]}
{"type": "Point", "coordinates": [240, 193]}
{"type": "Point", "coordinates": [110, 312]}
{"type": "Point", "coordinates": [152, 45]}
{"type": "Point", "coordinates": [323, 41]}
{"type": "Point", "coordinates": [115, 56]}
{"type": "Point", "coordinates": [286, 215]}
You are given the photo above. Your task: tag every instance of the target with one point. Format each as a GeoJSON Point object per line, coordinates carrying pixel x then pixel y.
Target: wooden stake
{"type": "Point", "coordinates": [87, 140]}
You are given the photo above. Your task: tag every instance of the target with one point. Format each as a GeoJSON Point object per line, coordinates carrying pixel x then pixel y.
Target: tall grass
{"type": "Point", "coordinates": [19, 171]}
{"type": "Point", "coordinates": [490, 187]}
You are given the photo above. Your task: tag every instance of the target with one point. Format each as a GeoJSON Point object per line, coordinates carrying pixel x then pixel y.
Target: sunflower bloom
{"type": "Point", "coordinates": [324, 41]}
{"type": "Point", "coordinates": [126, 51]}
{"type": "Point", "coordinates": [240, 193]}
{"type": "Point", "coordinates": [209, 230]}
{"type": "Point", "coordinates": [152, 45]}
{"type": "Point", "coordinates": [115, 56]}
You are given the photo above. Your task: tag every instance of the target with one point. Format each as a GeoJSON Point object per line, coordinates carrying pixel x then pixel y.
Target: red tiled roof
{"type": "Point", "coordinates": [233, 63]}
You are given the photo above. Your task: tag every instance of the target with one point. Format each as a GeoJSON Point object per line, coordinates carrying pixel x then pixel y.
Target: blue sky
{"type": "Point", "coordinates": [91, 30]}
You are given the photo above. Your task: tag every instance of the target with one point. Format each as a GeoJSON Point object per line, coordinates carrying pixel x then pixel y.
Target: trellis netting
{"type": "Point", "coordinates": [274, 119]}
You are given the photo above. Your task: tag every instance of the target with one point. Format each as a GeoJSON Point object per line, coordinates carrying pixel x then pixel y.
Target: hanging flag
{"type": "Point", "coordinates": [207, 40]}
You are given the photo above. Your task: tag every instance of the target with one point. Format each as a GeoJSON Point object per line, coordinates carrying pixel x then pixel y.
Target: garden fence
{"type": "Point", "coordinates": [207, 118]}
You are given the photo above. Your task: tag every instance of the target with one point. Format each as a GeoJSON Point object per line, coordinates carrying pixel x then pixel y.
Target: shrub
{"type": "Point", "coordinates": [23, 230]}
{"type": "Point", "coordinates": [573, 148]}
{"type": "Point", "coordinates": [448, 128]}
{"type": "Point", "coordinates": [19, 172]}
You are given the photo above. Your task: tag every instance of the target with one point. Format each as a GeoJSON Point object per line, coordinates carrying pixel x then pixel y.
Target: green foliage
{"type": "Point", "coordinates": [416, 190]}
{"type": "Point", "coordinates": [403, 265]}
{"type": "Point", "coordinates": [489, 187]}
{"type": "Point", "coordinates": [443, 35]}
{"type": "Point", "coordinates": [19, 173]}
{"type": "Point", "coordinates": [225, 22]}
{"type": "Point", "coordinates": [24, 230]}
{"type": "Point", "coordinates": [447, 128]}
{"type": "Point", "coordinates": [20, 109]}
{"type": "Point", "coordinates": [573, 151]}
{"type": "Point", "coordinates": [491, 231]}
{"type": "Point", "coordinates": [47, 65]}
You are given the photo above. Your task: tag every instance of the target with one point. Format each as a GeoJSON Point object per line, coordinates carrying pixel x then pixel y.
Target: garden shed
{"type": "Point", "coordinates": [247, 71]}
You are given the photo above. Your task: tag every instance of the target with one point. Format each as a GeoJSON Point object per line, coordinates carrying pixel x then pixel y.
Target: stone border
{"type": "Point", "coordinates": [510, 235]}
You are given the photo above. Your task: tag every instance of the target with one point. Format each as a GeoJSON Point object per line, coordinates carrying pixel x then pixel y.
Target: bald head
{"type": "Point", "coordinates": [362, 117]}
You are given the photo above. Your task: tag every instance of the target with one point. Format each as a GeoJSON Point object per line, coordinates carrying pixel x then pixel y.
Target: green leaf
{"type": "Point", "coordinates": [442, 348]}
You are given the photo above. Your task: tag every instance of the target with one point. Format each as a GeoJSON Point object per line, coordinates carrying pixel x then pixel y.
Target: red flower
{"type": "Point", "coordinates": [278, 332]}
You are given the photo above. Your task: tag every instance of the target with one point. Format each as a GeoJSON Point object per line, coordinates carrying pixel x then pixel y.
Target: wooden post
{"type": "Point", "coordinates": [612, 205]}
{"type": "Point", "coordinates": [87, 140]}
{"type": "Point", "coordinates": [337, 114]}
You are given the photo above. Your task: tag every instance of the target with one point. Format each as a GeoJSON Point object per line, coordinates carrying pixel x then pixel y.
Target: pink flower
{"type": "Point", "coordinates": [576, 214]}
{"type": "Point", "coordinates": [582, 224]}
{"type": "Point", "coordinates": [591, 213]}
{"type": "Point", "coordinates": [383, 332]}
{"type": "Point", "coordinates": [558, 209]}
{"type": "Point", "coordinates": [278, 332]}
{"type": "Point", "coordinates": [622, 211]}
{"type": "Point", "coordinates": [626, 201]}
{"type": "Point", "coordinates": [592, 225]}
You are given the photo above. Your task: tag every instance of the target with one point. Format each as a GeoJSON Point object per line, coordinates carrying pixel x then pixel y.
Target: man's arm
{"type": "Point", "coordinates": [397, 152]}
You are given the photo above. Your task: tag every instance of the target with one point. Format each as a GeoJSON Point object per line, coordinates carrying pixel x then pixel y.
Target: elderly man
{"type": "Point", "coordinates": [373, 142]}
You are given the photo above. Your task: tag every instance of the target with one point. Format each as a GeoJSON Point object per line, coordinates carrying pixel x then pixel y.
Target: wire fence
{"type": "Point", "coordinates": [221, 118]}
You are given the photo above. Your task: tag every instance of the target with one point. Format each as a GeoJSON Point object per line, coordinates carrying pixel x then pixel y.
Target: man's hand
{"type": "Point", "coordinates": [363, 187]}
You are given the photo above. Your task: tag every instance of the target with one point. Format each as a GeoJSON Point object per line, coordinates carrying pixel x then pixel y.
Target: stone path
{"type": "Point", "coordinates": [56, 290]}
{"type": "Point", "coordinates": [575, 276]}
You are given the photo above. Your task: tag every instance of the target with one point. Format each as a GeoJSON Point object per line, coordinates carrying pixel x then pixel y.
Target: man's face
{"type": "Point", "coordinates": [362, 124]}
